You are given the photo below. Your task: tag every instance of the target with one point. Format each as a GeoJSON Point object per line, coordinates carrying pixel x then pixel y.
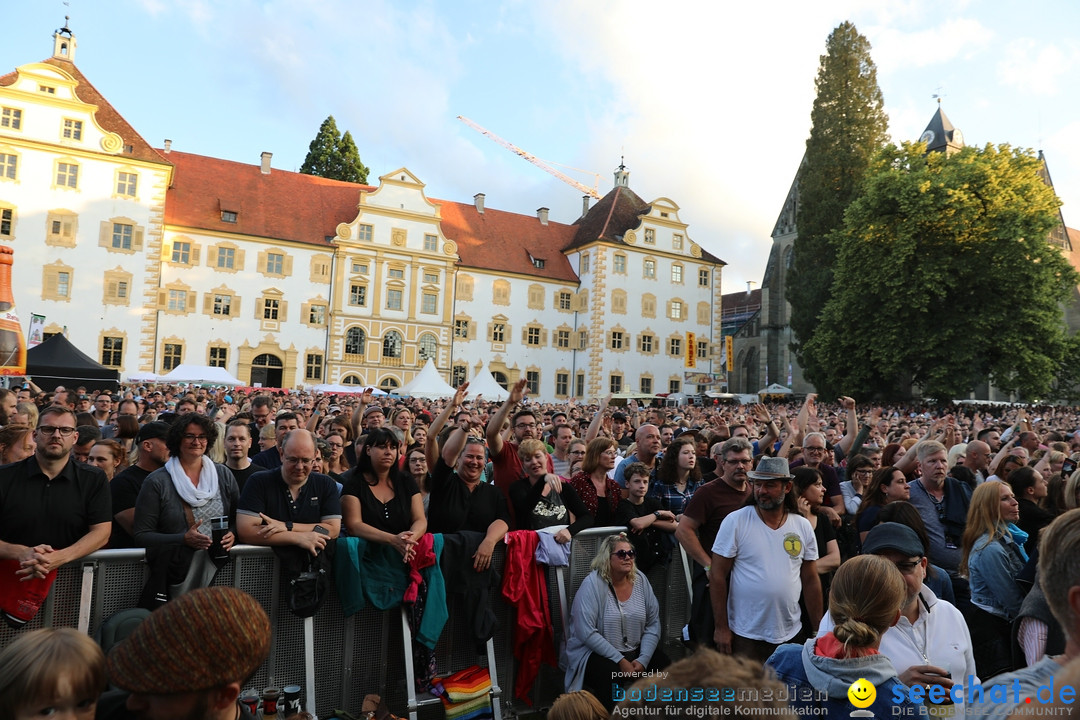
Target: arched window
{"type": "Point", "coordinates": [389, 384]}
{"type": "Point", "coordinates": [429, 347]}
{"type": "Point", "coordinates": [355, 341]}
{"type": "Point", "coordinates": [392, 345]}
{"type": "Point", "coordinates": [351, 380]}
{"type": "Point", "coordinates": [500, 378]}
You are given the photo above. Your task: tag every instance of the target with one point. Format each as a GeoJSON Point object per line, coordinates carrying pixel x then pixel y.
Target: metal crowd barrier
{"type": "Point", "coordinates": [365, 653]}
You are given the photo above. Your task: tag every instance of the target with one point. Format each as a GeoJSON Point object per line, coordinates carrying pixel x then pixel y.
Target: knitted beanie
{"type": "Point", "coordinates": [202, 640]}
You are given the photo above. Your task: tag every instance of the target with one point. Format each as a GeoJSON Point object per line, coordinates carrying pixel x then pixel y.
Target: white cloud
{"type": "Point", "coordinates": [958, 38]}
{"type": "Point", "coordinates": [1036, 67]}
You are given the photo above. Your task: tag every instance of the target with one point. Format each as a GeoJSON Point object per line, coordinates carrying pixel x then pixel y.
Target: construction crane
{"type": "Point", "coordinates": [590, 191]}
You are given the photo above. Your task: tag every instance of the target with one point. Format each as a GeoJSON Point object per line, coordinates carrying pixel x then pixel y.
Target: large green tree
{"type": "Point", "coordinates": [944, 279]}
{"type": "Point", "coordinates": [849, 127]}
{"type": "Point", "coordinates": [332, 155]}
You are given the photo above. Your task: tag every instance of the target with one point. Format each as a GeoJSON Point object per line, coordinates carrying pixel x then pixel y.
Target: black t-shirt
{"type": "Point", "coordinates": [125, 490]}
{"type": "Point", "coordinates": [394, 516]}
{"type": "Point", "coordinates": [526, 496]}
{"type": "Point", "coordinates": [453, 508]}
{"type": "Point", "coordinates": [266, 492]}
{"type": "Point", "coordinates": [58, 512]}
{"type": "Point", "coordinates": [243, 475]}
{"type": "Point", "coordinates": [650, 544]}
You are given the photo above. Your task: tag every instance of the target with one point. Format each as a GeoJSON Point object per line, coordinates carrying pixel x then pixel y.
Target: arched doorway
{"type": "Point", "coordinates": [266, 370]}
{"type": "Point", "coordinates": [501, 379]}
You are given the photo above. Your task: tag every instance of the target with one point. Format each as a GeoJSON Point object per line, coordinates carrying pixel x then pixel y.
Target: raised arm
{"type": "Point", "coordinates": [431, 447]}
{"type": "Point", "coordinates": [357, 416]}
{"type": "Point", "coordinates": [494, 426]}
{"type": "Point", "coordinates": [598, 419]}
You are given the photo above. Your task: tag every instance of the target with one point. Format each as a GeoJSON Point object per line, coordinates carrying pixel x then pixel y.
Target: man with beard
{"type": "Point", "coordinates": [504, 454]}
{"type": "Point", "coordinates": [53, 510]}
{"type": "Point", "coordinates": [189, 659]}
{"type": "Point", "coordinates": [764, 555]}
{"type": "Point", "coordinates": [701, 519]}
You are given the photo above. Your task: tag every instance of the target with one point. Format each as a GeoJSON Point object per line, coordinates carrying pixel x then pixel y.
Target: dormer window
{"type": "Point", "coordinates": [72, 130]}
{"type": "Point", "coordinates": [228, 216]}
{"type": "Point", "coordinates": [538, 263]}
{"type": "Point", "coordinates": [47, 89]}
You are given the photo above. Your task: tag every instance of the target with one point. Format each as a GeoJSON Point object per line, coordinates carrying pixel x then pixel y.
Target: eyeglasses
{"type": "Point", "coordinates": [53, 430]}
{"type": "Point", "coordinates": [811, 448]}
{"type": "Point", "coordinates": [522, 426]}
{"type": "Point", "coordinates": [862, 472]}
{"type": "Point", "coordinates": [336, 446]}
{"type": "Point", "coordinates": [624, 554]}
{"type": "Point", "coordinates": [743, 461]}
{"type": "Point", "coordinates": [906, 568]}
{"type": "Point", "coordinates": [196, 438]}
{"type": "Point", "coordinates": [303, 462]}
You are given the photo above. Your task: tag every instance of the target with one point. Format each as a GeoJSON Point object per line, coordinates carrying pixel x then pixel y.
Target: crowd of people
{"type": "Point", "coordinates": [819, 537]}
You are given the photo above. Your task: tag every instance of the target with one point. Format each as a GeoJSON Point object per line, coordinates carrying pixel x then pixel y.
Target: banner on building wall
{"type": "Point", "coordinates": [729, 350]}
{"type": "Point", "coordinates": [702, 378]}
{"type": "Point", "coordinates": [691, 350]}
{"type": "Point", "coordinates": [36, 334]}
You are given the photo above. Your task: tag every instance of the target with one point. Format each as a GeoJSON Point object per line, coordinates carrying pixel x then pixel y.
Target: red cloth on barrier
{"type": "Point", "coordinates": [525, 585]}
{"type": "Point", "coordinates": [422, 558]}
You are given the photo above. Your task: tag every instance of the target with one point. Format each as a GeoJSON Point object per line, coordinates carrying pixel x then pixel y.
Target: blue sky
{"type": "Point", "coordinates": [709, 101]}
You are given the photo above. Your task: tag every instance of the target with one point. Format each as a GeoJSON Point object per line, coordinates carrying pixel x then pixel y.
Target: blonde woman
{"type": "Point", "coordinates": [615, 623]}
{"type": "Point", "coordinates": [993, 555]}
{"type": "Point", "coordinates": [867, 592]}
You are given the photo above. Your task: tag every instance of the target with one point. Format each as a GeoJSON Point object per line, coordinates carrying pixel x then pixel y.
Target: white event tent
{"type": "Point", "coordinates": [427, 384]}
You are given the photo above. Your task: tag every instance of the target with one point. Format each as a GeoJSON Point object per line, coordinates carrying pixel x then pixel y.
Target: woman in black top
{"type": "Point", "coordinates": [379, 502]}
{"type": "Point", "coordinates": [541, 499]}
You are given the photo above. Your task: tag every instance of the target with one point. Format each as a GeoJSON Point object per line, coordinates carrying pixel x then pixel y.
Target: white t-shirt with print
{"type": "Point", "coordinates": [765, 583]}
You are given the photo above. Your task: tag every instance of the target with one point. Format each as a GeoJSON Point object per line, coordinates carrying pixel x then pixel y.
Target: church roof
{"type": "Point", "coordinates": [106, 115]}
{"type": "Point", "coordinates": [940, 135]}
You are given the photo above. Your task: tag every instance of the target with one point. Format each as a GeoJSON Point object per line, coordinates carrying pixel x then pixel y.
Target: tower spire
{"type": "Point", "coordinates": [64, 42]}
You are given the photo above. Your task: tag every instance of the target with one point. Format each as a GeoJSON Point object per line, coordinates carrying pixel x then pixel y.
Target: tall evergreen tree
{"type": "Point", "coordinates": [332, 155]}
{"type": "Point", "coordinates": [849, 126]}
{"type": "Point", "coordinates": [350, 168]}
{"type": "Point", "coordinates": [322, 154]}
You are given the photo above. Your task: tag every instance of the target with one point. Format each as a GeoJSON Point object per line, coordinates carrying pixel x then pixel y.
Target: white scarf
{"type": "Point", "coordinates": [208, 482]}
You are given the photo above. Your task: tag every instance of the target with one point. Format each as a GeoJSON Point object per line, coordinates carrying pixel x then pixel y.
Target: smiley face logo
{"type": "Point", "coordinates": [861, 693]}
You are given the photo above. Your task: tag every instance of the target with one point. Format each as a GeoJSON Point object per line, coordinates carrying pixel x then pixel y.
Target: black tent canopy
{"type": "Point", "coordinates": [57, 362]}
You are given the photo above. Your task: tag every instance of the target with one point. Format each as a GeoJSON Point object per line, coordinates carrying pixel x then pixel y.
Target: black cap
{"type": "Point", "coordinates": [151, 430]}
{"type": "Point", "coordinates": [893, 536]}
{"type": "Point", "coordinates": [618, 417]}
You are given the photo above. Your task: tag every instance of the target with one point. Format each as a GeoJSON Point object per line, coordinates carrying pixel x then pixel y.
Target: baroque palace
{"type": "Point", "coordinates": [149, 258]}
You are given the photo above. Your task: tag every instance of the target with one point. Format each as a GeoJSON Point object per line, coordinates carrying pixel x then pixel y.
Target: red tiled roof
{"type": "Point", "coordinates": [282, 205]}
{"type": "Point", "coordinates": [503, 241]}
{"type": "Point", "coordinates": [107, 116]}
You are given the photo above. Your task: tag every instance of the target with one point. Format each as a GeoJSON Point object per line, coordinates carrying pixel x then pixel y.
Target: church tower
{"type": "Point", "coordinates": [941, 136]}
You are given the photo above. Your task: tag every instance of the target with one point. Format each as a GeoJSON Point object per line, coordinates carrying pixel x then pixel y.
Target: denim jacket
{"type": "Point", "coordinates": [992, 568]}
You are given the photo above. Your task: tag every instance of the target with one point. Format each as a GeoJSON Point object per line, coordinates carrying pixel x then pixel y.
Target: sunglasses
{"type": "Point", "coordinates": [624, 554]}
